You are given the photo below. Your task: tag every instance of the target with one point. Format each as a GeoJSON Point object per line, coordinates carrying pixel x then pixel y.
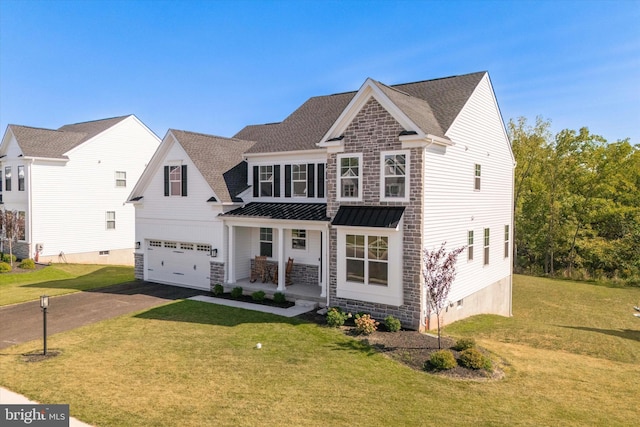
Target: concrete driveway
{"type": "Point", "coordinates": [23, 322]}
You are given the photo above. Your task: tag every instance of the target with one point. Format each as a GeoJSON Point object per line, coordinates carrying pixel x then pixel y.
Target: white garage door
{"type": "Point", "coordinates": [178, 263]}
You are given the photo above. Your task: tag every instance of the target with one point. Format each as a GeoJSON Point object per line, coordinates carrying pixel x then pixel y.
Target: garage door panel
{"type": "Point", "coordinates": [174, 266]}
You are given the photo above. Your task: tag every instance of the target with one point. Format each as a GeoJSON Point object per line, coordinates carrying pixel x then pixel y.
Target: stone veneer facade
{"type": "Point", "coordinates": [138, 266]}
{"type": "Point", "coordinates": [216, 274]}
{"type": "Point", "coordinates": [374, 130]}
{"type": "Point", "coordinates": [305, 274]}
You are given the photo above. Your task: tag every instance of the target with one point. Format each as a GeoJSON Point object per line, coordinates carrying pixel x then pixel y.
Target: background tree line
{"type": "Point", "coordinates": [577, 203]}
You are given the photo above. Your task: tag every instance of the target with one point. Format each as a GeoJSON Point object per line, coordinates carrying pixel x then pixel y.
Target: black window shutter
{"type": "Point", "coordinates": [311, 180]}
{"type": "Point", "coordinates": [256, 181]}
{"type": "Point", "coordinates": [166, 180]}
{"type": "Point", "coordinates": [287, 180]}
{"type": "Point", "coordinates": [184, 180]}
{"type": "Point", "coordinates": [276, 180]}
{"type": "Point", "coordinates": [320, 179]}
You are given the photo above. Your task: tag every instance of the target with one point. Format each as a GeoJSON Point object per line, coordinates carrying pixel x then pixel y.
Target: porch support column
{"type": "Point", "coordinates": [231, 258]}
{"type": "Point", "coordinates": [281, 264]}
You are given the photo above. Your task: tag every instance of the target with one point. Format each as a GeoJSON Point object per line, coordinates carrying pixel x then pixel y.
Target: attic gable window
{"type": "Point", "coordinates": [350, 176]}
{"type": "Point", "coordinates": [175, 180]}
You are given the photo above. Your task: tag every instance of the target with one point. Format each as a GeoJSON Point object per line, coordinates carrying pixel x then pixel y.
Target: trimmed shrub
{"type": "Point", "coordinates": [279, 298]}
{"type": "Point", "coordinates": [27, 264]}
{"type": "Point", "coordinates": [440, 360]}
{"type": "Point", "coordinates": [464, 343]}
{"type": "Point", "coordinates": [335, 317]}
{"type": "Point", "coordinates": [8, 258]}
{"type": "Point", "coordinates": [365, 324]}
{"type": "Point", "coordinates": [218, 290]}
{"type": "Point", "coordinates": [236, 292]}
{"type": "Point", "coordinates": [258, 296]}
{"type": "Point", "coordinates": [5, 267]}
{"type": "Point", "coordinates": [392, 324]}
{"type": "Point", "coordinates": [472, 358]}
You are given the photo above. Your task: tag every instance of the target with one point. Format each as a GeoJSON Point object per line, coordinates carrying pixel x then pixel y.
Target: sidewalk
{"type": "Point", "coordinates": [7, 397]}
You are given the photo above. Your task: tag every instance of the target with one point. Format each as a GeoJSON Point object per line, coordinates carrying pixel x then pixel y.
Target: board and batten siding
{"type": "Point", "coordinates": [189, 219]}
{"type": "Point", "coordinates": [70, 200]}
{"type": "Point", "coordinates": [452, 206]}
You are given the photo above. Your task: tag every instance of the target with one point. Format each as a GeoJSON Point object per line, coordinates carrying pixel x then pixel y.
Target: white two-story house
{"type": "Point", "coordinates": [71, 186]}
{"type": "Point", "coordinates": [352, 187]}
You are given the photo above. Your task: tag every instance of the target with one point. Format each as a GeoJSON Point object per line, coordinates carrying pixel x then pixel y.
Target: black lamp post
{"type": "Point", "coordinates": [44, 304]}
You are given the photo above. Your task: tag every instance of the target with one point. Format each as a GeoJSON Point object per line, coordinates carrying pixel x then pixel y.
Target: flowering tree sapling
{"type": "Point", "coordinates": [11, 226]}
{"type": "Point", "coordinates": [439, 271]}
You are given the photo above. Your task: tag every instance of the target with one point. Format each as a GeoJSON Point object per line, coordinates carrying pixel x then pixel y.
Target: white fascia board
{"type": "Point", "coordinates": [90, 140]}
{"type": "Point", "coordinates": [257, 221]}
{"type": "Point", "coordinates": [424, 140]}
{"type": "Point", "coordinates": [299, 154]}
{"type": "Point", "coordinates": [368, 90]}
{"type": "Point", "coordinates": [384, 230]}
{"type": "Point", "coordinates": [46, 159]}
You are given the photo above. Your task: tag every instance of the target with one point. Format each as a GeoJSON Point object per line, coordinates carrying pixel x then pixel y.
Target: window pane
{"type": "Point", "coordinates": [355, 246]}
{"type": "Point", "coordinates": [378, 247]}
{"type": "Point", "coordinates": [176, 188]}
{"type": "Point", "coordinates": [266, 249]}
{"type": "Point", "coordinates": [300, 188]}
{"type": "Point", "coordinates": [378, 273]}
{"type": "Point", "coordinates": [266, 189]}
{"type": "Point", "coordinates": [394, 187]}
{"type": "Point", "coordinates": [355, 270]}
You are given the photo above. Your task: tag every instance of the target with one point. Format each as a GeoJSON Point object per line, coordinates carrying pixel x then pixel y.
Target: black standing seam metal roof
{"type": "Point", "coordinates": [369, 216]}
{"type": "Point", "coordinates": [283, 211]}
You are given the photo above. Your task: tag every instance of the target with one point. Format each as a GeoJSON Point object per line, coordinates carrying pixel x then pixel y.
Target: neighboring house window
{"type": "Point", "coordinates": [102, 253]}
{"type": "Point", "coordinates": [266, 242]}
{"type": "Point", "coordinates": [266, 181]}
{"type": "Point", "coordinates": [111, 220]}
{"type": "Point", "coordinates": [394, 175]}
{"type": "Point", "coordinates": [299, 239]}
{"type": "Point", "coordinates": [476, 184]}
{"type": "Point", "coordinates": [7, 178]}
{"type": "Point", "coordinates": [299, 180]}
{"type": "Point", "coordinates": [506, 241]}
{"type": "Point", "coordinates": [470, 245]}
{"type": "Point", "coordinates": [121, 179]}
{"type": "Point", "coordinates": [20, 178]}
{"type": "Point", "coordinates": [350, 176]}
{"type": "Point", "coordinates": [175, 180]}
{"type": "Point", "coordinates": [486, 246]}
{"type": "Point", "coordinates": [367, 264]}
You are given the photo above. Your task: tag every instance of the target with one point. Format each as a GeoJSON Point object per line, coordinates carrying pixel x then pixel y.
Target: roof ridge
{"type": "Point", "coordinates": [97, 120]}
{"type": "Point", "coordinates": [40, 128]}
{"type": "Point", "coordinates": [208, 135]}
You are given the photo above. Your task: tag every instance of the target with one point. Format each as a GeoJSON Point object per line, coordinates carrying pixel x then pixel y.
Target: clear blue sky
{"type": "Point", "coordinates": [216, 66]}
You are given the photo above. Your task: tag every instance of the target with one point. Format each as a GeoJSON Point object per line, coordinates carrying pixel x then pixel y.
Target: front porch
{"type": "Point", "coordinates": [292, 293]}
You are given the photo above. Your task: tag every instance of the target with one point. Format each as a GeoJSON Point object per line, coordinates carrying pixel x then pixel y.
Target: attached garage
{"type": "Point", "coordinates": [178, 263]}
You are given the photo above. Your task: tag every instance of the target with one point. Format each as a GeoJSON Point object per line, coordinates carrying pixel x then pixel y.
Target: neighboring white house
{"type": "Point", "coordinates": [71, 185]}
{"type": "Point", "coordinates": [351, 186]}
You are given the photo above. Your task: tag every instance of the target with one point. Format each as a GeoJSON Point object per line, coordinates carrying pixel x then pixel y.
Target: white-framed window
{"type": "Point", "coordinates": [175, 180]}
{"type": "Point", "coordinates": [367, 259]}
{"type": "Point", "coordinates": [350, 176]}
{"type": "Point", "coordinates": [266, 181]}
{"type": "Point", "coordinates": [299, 239]}
{"type": "Point", "coordinates": [20, 178]}
{"type": "Point", "coordinates": [111, 220]}
{"type": "Point", "coordinates": [7, 178]}
{"type": "Point", "coordinates": [299, 180]}
{"type": "Point", "coordinates": [121, 179]}
{"type": "Point", "coordinates": [394, 175]}
{"type": "Point", "coordinates": [266, 242]}
{"type": "Point", "coordinates": [477, 175]}
{"type": "Point", "coordinates": [506, 241]}
{"type": "Point", "coordinates": [486, 246]}
{"type": "Point", "coordinates": [470, 245]}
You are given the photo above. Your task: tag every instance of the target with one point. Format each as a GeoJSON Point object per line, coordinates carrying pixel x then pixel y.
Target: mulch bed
{"type": "Point", "coordinates": [17, 269]}
{"type": "Point", "coordinates": [413, 349]}
{"type": "Point", "coordinates": [39, 356]}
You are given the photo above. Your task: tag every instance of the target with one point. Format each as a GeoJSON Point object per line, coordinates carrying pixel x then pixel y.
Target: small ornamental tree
{"type": "Point", "coordinates": [439, 270]}
{"type": "Point", "coordinates": [12, 228]}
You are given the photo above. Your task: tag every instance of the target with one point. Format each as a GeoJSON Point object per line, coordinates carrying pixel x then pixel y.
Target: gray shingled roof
{"type": "Point", "coordinates": [49, 143]}
{"type": "Point", "coordinates": [219, 160]}
{"type": "Point", "coordinates": [432, 104]}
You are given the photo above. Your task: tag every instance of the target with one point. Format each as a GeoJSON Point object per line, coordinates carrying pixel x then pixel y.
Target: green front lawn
{"type": "Point", "coordinates": [58, 279]}
{"type": "Point", "coordinates": [189, 363]}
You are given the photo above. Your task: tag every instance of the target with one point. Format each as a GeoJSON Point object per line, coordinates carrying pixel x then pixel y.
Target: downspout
{"type": "Point", "coordinates": [29, 188]}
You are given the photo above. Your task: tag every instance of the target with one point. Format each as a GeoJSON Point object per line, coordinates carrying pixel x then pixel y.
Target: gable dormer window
{"type": "Point", "coordinates": [394, 173]}
{"type": "Point", "coordinates": [175, 180]}
{"type": "Point", "coordinates": [350, 176]}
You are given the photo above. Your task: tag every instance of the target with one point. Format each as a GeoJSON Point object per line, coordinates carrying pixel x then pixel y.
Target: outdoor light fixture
{"type": "Point", "coordinates": [44, 304]}
{"type": "Point", "coordinates": [137, 245]}
{"type": "Point", "coordinates": [214, 252]}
